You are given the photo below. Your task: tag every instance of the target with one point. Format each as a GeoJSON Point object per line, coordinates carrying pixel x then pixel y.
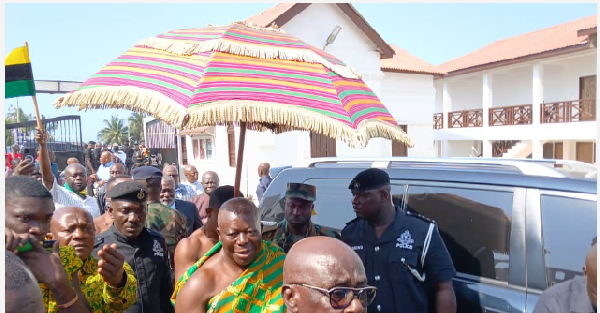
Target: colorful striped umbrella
{"type": "Point", "coordinates": [262, 78]}
{"type": "Point", "coordinates": [218, 75]}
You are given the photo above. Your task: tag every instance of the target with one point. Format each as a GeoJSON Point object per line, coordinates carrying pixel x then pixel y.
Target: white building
{"type": "Point", "coordinates": [533, 95]}
{"type": "Point", "coordinates": [403, 83]}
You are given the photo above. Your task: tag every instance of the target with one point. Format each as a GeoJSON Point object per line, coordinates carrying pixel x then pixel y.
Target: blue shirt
{"type": "Point", "coordinates": [104, 171]}
{"type": "Point", "coordinates": [263, 184]}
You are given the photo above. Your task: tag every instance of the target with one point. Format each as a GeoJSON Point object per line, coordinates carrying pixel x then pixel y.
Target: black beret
{"type": "Point", "coordinates": [372, 178]}
{"type": "Point", "coordinates": [128, 190]}
{"type": "Point", "coordinates": [145, 172]}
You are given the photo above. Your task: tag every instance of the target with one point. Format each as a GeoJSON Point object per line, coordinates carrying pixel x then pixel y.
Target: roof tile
{"type": "Point", "coordinates": [406, 62]}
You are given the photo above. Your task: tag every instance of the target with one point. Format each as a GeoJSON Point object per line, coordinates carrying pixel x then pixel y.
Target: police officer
{"type": "Point", "coordinates": [403, 253]}
{"type": "Point", "coordinates": [296, 225]}
{"type": "Point", "coordinates": [144, 249]}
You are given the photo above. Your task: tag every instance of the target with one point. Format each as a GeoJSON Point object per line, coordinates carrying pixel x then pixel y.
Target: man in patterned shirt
{"type": "Point", "coordinates": [108, 283]}
{"type": "Point", "coordinates": [299, 206]}
{"type": "Point", "coordinates": [74, 191]}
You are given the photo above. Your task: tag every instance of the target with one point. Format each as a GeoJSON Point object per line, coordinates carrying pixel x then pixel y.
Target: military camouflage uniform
{"type": "Point", "coordinates": [280, 233]}
{"type": "Point", "coordinates": [170, 223]}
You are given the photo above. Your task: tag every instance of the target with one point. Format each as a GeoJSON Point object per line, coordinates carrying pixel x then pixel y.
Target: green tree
{"type": "Point", "coordinates": [114, 132]}
{"type": "Point", "coordinates": [136, 127]}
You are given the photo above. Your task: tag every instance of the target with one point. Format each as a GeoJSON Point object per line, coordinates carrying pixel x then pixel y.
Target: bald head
{"type": "Point", "coordinates": [210, 182]}
{"type": "Point", "coordinates": [76, 177]}
{"type": "Point", "coordinates": [326, 254]}
{"type": "Point", "coordinates": [191, 173]}
{"type": "Point", "coordinates": [117, 169]}
{"type": "Point", "coordinates": [105, 157]}
{"type": "Point", "coordinates": [72, 160]}
{"type": "Point", "coordinates": [73, 226]}
{"type": "Point", "coordinates": [264, 169]}
{"type": "Point", "coordinates": [171, 171]}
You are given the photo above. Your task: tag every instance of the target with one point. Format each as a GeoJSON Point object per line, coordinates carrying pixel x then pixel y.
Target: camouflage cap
{"type": "Point", "coordinates": [302, 191]}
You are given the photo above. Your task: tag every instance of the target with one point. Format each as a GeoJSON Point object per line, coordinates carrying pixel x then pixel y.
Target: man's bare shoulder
{"type": "Point", "coordinates": [198, 233]}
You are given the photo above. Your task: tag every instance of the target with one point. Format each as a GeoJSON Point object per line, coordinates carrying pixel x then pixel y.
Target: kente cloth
{"type": "Point", "coordinates": [257, 289]}
{"type": "Point", "coordinates": [101, 297]}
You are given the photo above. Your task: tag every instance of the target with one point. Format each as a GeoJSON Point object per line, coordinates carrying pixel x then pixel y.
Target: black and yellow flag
{"type": "Point", "coordinates": [18, 74]}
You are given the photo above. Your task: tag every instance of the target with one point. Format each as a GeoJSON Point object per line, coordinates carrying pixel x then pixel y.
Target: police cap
{"type": "Point", "coordinates": [369, 179]}
{"type": "Point", "coordinates": [128, 190]}
{"type": "Point", "coordinates": [145, 172]}
{"type": "Point", "coordinates": [302, 191]}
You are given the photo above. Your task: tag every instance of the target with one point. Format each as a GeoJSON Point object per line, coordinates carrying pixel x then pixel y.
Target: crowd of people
{"type": "Point", "coordinates": [125, 236]}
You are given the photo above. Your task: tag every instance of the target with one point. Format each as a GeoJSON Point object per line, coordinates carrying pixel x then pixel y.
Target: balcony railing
{"type": "Point", "coordinates": [438, 120]}
{"type": "Point", "coordinates": [569, 111]}
{"type": "Point", "coordinates": [500, 147]}
{"type": "Point", "coordinates": [511, 115]}
{"type": "Point", "coordinates": [555, 112]}
{"type": "Point", "coordinates": [465, 118]}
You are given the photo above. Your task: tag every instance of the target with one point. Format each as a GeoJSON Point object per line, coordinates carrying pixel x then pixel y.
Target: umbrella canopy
{"type": "Point", "coordinates": [240, 73]}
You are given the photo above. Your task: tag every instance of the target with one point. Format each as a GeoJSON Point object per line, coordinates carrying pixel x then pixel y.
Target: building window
{"type": "Point", "coordinates": [203, 148]}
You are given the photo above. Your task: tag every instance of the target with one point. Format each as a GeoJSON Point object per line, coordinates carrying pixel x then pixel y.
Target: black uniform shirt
{"type": "Point", "coordinates": [148, 258]}
{"type": "Point", "coordinates": [388, 260]}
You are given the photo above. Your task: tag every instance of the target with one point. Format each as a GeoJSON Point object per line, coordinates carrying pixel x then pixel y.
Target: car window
{"type": "Point", "coordinates": [333, 206]}
{"type": "Point", "coordinates": [568, 228]}
{"type": "Point", "coordinates": [474, 224]}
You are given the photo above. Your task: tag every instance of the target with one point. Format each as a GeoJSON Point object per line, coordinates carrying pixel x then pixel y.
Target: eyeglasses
{"type": "Point", "coordinates": [341, 297]}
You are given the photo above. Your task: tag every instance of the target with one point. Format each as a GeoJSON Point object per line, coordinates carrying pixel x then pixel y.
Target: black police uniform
{"type": "Point", "coordinates": [408, 257]}
{"type": "Point", "coordinates": [147, 255]}
{"type": "Point", "coordinates": [148, 258]}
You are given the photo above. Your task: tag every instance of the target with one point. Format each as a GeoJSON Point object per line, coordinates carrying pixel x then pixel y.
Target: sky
{"type": "Point", "coordinates": [74, 41]}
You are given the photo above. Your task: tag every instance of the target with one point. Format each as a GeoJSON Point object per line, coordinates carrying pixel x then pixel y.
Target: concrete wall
{"type": "Point", "coordinates": [561, 78]}
{"type": "Point", "coordinates": [512, 87]}
{"type": "Point", "coordinates": [411, 100]}
{"type": "Point", "coordinates": [466, 93]}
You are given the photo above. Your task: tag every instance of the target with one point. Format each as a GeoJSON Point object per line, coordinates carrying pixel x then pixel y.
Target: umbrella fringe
{"type": "Point", "coordinates": [129, 98]}
{"type": "Point", "coordinates": [280, 118]}
{"type": "Point", "coordinates": [242, 49]}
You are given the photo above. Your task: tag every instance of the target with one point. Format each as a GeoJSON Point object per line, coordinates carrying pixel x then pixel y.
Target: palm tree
{"type": "Point", "coordinates": [114, 132]}
{"type": "Point", "coordinates": [136, 127]}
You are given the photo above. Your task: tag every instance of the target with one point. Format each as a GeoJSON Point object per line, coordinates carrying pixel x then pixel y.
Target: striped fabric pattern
{"type": "Point", "coordinates": [215, 87]}
{"type": "Point", "coordinates": [160, 135]}
{"type": "Point", "coordinates": [257, 289]}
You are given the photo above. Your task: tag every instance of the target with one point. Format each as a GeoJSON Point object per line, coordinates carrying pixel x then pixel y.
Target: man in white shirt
{"type": "Point", "coordinates": [103, 172]}
{"type": "Point", "coordinates": [120, 154]}
{"type": "Point", "coordinates": [191, 174]}
{"type": "Point", "coordinates": [74, 191]}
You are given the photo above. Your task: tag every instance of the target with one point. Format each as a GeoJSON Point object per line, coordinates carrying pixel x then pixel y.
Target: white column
{"type": "Point", "coordinates": [486, 104]}
{"type": "Point", "coordinates": [446, 103]}
{"type": "Point", "coordinates": [569, 149]}
{"type": "Point", "coordinates": [179, 150]}
{"type": "Point", "coordinates": [537, 97]}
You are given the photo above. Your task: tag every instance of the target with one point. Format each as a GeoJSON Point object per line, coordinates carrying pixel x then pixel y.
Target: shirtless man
{"type": "Point", "coordinates": [240, 266]}
{"type": "Point", "coordinates": [191, 249]}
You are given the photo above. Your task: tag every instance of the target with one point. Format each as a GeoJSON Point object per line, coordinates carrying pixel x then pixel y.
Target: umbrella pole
{"type": "Point", "coordinates": [240, 159]}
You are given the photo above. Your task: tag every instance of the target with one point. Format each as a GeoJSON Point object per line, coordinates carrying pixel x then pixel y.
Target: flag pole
{"type": "Point", "coordinates": [35, 105]}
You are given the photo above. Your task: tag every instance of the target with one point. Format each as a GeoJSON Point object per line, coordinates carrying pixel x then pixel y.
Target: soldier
{"type": "Point", "coordinates": [296, 225]}
{"type": "Point", "coordinates": [144, 249]}
{"type": "Point", "coordinates": [403, 253]}
{"type": "Point", "coordinates": [161, 218]}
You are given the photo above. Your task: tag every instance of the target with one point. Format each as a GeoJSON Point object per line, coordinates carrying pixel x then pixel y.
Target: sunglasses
{"type": "Point", "coordinates": [341, 297]}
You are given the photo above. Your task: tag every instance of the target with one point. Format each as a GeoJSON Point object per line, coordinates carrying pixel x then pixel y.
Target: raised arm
{"type": "Point", "coordinates": [45, 168]}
